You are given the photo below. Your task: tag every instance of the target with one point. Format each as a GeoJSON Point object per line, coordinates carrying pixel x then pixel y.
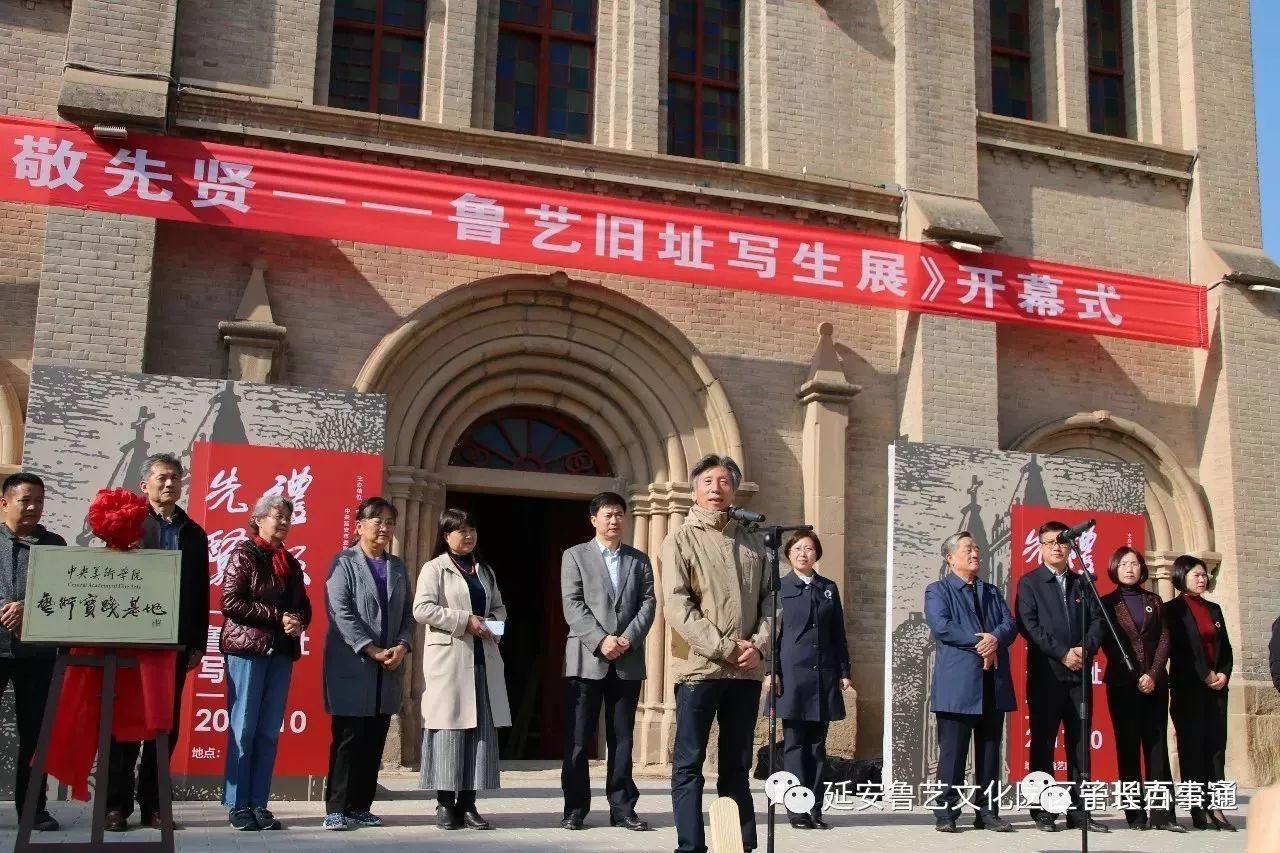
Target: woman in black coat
{"type": "Point", "coordinates": [812, 669]}
{"type": "Point", "coordinates": [1200, 662]}
{"type": "Point", "coordinates": [1139, 700]}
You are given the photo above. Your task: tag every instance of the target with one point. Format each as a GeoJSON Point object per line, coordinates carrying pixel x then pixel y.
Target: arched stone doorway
{"type": "Point", "coordinates": [618, 369]}
{"type": "Point", "coordinates": [1177, 520]}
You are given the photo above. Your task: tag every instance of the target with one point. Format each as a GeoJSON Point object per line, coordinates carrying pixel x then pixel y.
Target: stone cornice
{"type": "Point", "coordinates": [388, 140]}
{"type": "Point", "coordinates": [1029, 140]}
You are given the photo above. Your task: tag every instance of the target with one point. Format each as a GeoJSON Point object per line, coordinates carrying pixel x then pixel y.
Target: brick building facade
{"type": "Point", "coordinates": [921, 120]}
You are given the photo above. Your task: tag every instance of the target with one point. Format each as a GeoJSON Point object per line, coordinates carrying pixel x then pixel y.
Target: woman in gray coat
{"type": "Point", "coordinates": [370, 632]}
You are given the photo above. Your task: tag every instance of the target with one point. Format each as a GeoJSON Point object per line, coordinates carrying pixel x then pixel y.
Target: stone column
{"type": "Point", "coordinates": [1236, 387]}
{"type": "Point", "coordinates": [448, 82]}
{"type": "Point", "coordinates": [825, 397]}
{"type": "Point", "coordinates": [947, 370]}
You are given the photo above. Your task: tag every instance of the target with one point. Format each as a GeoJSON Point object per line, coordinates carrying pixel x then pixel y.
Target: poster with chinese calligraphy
{"type": "Point", "coordinates": [324, 487]}
{"type": "Point", "coordinates": [189, 180]}
{"type": "Point", "coordinates": [937, 490]}
{"type": "Point", "coordinates": [97, 596]}
{"type": "Point", "coordinates": [89, 429]}
{"type": "Point", "coordinates": [1113, 531]}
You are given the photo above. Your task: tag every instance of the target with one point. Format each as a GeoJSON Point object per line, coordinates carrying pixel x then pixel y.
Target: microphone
{"type": "Point", "coordinates": [1066, 537]}
{"type": "Point", "coordinates": [746, 516]}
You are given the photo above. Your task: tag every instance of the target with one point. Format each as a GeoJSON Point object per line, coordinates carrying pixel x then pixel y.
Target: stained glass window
{"type": "Point", "coordinates": [377, 56]}
{"type": "Point", "coordinates": [528, 438]}
{"type": "Point", "coordinates": [704, 64]}
{"type": "Point", "coordinates": [1104, 29]}
{"type": "Point", "coordinates": [1010, 58]}
{"type": "Point", "coordinates": [546, 61]}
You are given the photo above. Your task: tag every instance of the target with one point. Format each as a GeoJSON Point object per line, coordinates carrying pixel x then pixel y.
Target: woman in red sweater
{"type": "Point", "coordinates": [1200, 664]}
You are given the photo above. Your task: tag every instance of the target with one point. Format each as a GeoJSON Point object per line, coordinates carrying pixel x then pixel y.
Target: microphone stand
{"type": "Point", "coordinates": [773, 541]}
{"type": "Point", "coordinates": [1086, 683]}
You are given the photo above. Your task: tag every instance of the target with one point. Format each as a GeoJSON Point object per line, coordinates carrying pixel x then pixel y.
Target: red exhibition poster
{"type": "Point", "coordinates": [1112, 531]}
{"type": "Point", "coordinates": [325, 488]}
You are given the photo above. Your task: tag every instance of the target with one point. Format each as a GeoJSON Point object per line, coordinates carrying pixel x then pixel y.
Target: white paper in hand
{"type": "Point", "coordinates": [495, 626]}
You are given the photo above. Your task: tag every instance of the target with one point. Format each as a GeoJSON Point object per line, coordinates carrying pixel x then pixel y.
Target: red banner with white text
{"type": "Point", "coordinates": [1097, 545]}
{"type": "Point", "coordinates": [325, 488]}
{"type": "Point", "coordinates": [187, 180]}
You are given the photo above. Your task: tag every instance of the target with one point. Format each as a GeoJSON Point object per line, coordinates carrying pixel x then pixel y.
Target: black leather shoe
{"type": "Point", "coordinates": [447, 818]}
{"type": "Point", "coordinates": [947, 826]}
{"type": "Point", "coordinates": [1138, 824]}
{"type": "Point", "coordinates": [571, 822]}
{"type": "Point", "coordinates": [1171, 826]}
{"type": "Point", "coordinates": [629, 821]}
{"type": "Point", "coordinates": [1220, 821]}
{"type": "Point", "coordinates": [1046, 824]}
{"type": "Point", "coordinates": [1200, 820]}
{"type": "Point", "coordinates": [45, 822]}
{"type": "Point", "coordinates": [995, 823]}
{"type": "Point", "coordinates": [818, 823]}
{"type": "Point", "coordinates": [1074, 822]}
{"type": "Point", "coordinates": [801, 821]}
{"type": "Point", "coordinates": [471, 818]}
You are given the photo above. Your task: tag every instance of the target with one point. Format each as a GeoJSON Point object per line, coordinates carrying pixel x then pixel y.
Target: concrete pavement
{"type": "Point", "coordinates": [526, 814]}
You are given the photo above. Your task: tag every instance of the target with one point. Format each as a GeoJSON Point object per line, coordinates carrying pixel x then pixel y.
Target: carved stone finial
{"type": "Point", "coordinates": [254, 340]}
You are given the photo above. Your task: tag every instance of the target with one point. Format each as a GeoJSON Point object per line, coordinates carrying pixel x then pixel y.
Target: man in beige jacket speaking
{"type": "Point", "coordinates": [717, 603]}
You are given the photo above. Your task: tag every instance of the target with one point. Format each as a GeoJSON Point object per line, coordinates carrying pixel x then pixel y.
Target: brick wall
{"type": "Point", "coordinates": [249, 43]}
{"type": "Point", "coordinates": [95, 283]}
{"type": "Point", "coordinates": [34, 42]}
{"type": "Point", "coordinates": [133, 36]}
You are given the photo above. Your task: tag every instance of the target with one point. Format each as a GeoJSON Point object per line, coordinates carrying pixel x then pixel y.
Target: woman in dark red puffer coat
{"type": "Point", "coordinates": [265, 610]}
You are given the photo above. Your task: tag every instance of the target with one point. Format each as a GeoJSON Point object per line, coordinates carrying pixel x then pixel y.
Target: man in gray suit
{"type": "Point", "coordinates": [606, 588]}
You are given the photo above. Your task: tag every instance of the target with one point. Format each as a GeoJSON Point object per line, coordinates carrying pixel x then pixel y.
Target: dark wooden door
{"type": "Point", "coordinates": [523, 538]}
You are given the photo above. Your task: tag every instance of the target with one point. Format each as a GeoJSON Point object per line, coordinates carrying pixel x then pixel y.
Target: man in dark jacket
{"type": "Point", "coordinates": [167, 528]}
{"type": "Point", "coordinates": [1053, 612]}
{"type": "Point", "coordinates": [28, 668]}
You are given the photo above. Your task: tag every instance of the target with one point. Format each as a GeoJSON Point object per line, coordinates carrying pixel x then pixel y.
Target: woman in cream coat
{"type": "Point", "coordinates": [465, 698]}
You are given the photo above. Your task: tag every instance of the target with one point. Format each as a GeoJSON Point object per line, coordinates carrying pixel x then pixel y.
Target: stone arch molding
{"type": "Point", "coordinates": [1177, 519]}
{"type": "Point", "coordinates": [11, 424]}
{"type": "Point", "coordinates": [618, 367]}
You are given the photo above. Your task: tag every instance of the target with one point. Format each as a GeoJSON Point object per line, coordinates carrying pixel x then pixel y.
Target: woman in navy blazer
{"type": "Point", "coordinates": [812, 669]}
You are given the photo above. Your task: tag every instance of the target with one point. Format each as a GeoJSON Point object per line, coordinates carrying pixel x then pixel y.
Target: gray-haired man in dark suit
{"type": "Point", "coordinates": [606, 589]}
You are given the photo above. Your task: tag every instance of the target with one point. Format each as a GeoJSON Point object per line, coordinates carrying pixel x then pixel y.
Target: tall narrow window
{"type": "Point", "coordinates": [1010, 58]}
{"type": "Point", "coordinates": [376, 60]}
{"type": "Point", "coordinates": [546, 59]}
{"type": "Point", "coordinates": [1104, 23]}
{"type": "Point", "coordinates": [704, 74]}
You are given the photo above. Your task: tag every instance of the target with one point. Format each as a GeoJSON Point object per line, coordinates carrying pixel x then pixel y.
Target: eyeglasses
{"type": "Point", "coordinates": [1051, 543]}
{"type": "Point", "coordinates": [381, 522]}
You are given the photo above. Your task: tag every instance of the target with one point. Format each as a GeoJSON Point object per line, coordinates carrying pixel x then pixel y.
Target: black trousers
{"type": "Point", "coordinates": [735, 704]}
{"type": "Point", "coordinates": [804, 753]}
{"type": "Point", "coordinates": [1200, 724]}
{"type": "Point", "coordinates": [584, 697]}
{"type": "Point", "coordinates": [1055, 705]}
{"type": "Point", "coordinates": [464, 800]}
{"type": "Point", "coordinates": [124, 757]}
{"type": "Point", "coordinates": [355, 757]}
{"type": "Point", "coordinates": [955, 731]}
{"type": "Point", "coordinates": [1139, 723]}
{"type": "Point", "coordinates": [30, 677]}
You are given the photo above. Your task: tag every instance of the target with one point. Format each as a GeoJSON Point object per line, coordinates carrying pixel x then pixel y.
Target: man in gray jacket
{"type": "Point", "coordinates": [28, 668]}
{"type": "Point", "coordinates": [606, 589]}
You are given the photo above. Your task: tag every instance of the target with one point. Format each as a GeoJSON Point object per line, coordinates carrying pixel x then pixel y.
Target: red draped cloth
{"type": "Point", "coordinates": [143, 709]}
